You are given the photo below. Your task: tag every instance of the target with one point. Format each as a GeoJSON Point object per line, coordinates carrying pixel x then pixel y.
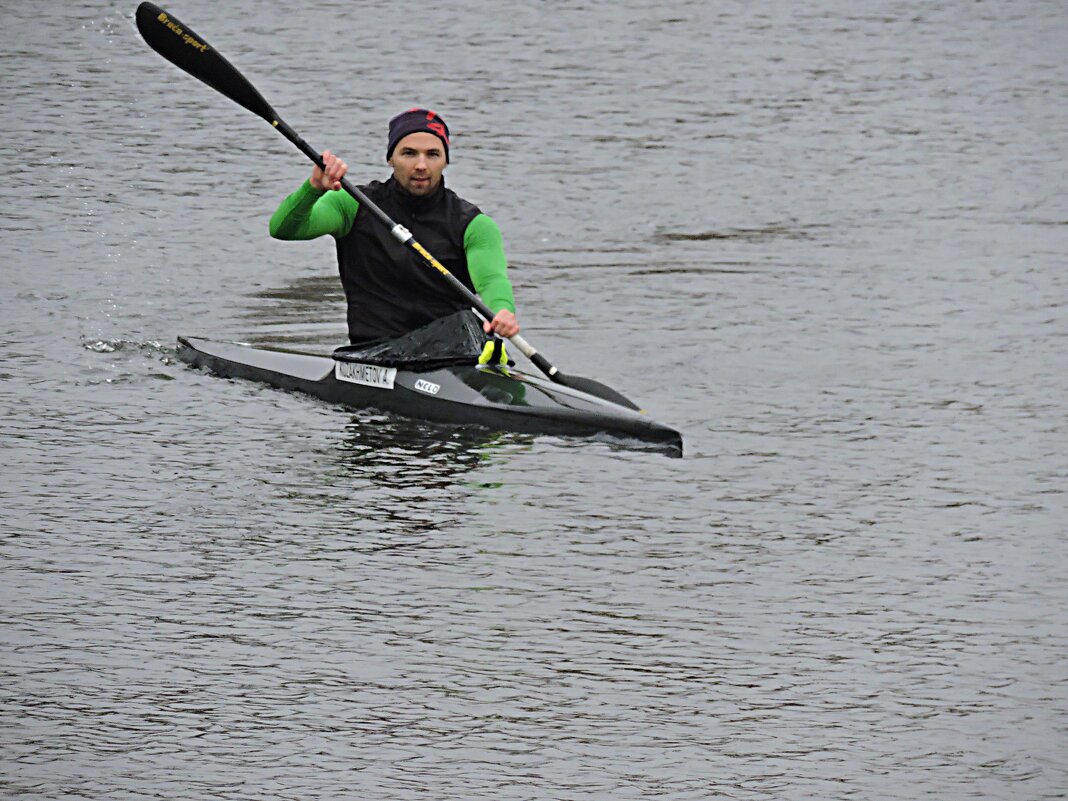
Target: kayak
{"type": "Point", "coordinates": [492, 396]}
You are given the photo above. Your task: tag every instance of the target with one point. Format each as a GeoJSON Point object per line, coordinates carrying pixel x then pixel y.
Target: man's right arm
{"type": "Point", "coordinates": [310, 212]}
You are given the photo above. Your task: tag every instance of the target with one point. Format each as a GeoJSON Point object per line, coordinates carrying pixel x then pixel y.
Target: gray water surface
{"type": "Point", "coordinates": [826, 241]}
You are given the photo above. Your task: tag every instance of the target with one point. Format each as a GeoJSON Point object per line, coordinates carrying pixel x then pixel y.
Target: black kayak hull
{"type": "Point", "coordinates": [496, 398]}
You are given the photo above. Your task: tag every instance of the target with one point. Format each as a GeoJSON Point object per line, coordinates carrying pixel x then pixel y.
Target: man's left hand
{"type": "Point", "coordinates": [503, 324]}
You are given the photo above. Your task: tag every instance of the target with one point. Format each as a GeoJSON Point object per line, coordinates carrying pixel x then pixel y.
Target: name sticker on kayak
{"type": "Point", "coordinates": [428, 387]}
{"type": "Point", "coordinates": [370, 375]}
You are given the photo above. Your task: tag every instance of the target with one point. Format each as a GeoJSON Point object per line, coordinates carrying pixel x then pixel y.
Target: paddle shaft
{"type": "Point", "coordinates": [405, 237]}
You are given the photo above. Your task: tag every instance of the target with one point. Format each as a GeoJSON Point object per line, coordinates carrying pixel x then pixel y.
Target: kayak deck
{"type": "Point", "coordinates": [494, 397]}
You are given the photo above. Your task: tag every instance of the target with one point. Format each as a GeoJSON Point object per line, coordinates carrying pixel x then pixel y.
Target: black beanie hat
{"type": "Point", "coordinates": [416, 120]}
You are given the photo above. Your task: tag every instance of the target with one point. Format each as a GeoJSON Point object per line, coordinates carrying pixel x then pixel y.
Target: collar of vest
{"type": "Point", "coordinates": [413, 204]}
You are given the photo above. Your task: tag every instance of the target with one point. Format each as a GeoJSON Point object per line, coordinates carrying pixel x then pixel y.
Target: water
{"type": "Point", "coordinates": [827, 242]}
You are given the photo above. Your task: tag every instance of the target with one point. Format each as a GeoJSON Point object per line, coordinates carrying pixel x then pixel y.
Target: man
{"type": "Point", "coordinates": [389, 289]}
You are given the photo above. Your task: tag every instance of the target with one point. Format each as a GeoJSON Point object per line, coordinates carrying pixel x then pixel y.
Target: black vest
{"type": "Point", "coordinates": [390, 290]}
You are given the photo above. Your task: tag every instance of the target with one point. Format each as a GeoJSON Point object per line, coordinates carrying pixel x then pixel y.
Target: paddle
{"type": "Point", "coordinates": [177, 43]}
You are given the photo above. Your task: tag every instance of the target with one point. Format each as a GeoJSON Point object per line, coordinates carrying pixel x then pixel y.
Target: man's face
{"type": "Point", "coordinates": [418, 161]}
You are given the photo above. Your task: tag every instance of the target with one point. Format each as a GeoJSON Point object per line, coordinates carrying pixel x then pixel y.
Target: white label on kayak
{"type": "Point", "coordinates": [370, 375]}
{"type": "Point", "coordinates": [426, 386]}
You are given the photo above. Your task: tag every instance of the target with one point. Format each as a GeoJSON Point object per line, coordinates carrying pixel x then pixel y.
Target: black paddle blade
{"type": "Point", "coordinates": [177, 43]}
{"type": "Point", "coordinates": [595, 388]}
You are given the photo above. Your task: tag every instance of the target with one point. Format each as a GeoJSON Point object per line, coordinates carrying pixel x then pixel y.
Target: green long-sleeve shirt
{"type": "Point", "coordinates": [309, 213]}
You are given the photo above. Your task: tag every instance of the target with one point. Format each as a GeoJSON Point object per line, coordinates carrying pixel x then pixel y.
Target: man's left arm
{"type": "Point", "coordinates": [488, 268]}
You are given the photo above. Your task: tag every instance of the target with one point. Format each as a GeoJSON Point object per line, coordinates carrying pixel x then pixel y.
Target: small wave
{"type": "Point", "coordinates": [149, 347]}
{"type": "Point", "coordinates": [745, 234]}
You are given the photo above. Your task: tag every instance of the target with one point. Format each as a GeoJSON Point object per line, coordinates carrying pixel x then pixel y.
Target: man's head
{"type": "Point", "coordinates": [418, 150]}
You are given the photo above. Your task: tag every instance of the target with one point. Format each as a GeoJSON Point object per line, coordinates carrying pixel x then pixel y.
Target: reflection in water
{"type": "Point", "coordinates": [423, 472]}
{"type": "Point", "coordinates": [408, 454]}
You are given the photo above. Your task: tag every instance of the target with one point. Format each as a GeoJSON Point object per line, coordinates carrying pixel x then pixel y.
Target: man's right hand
{"type": "Point", "coordinates": [330, 178]}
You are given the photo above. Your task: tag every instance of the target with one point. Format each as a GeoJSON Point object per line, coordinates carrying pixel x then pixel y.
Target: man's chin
{"type": "Point", "coordinates": [420, 187]}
